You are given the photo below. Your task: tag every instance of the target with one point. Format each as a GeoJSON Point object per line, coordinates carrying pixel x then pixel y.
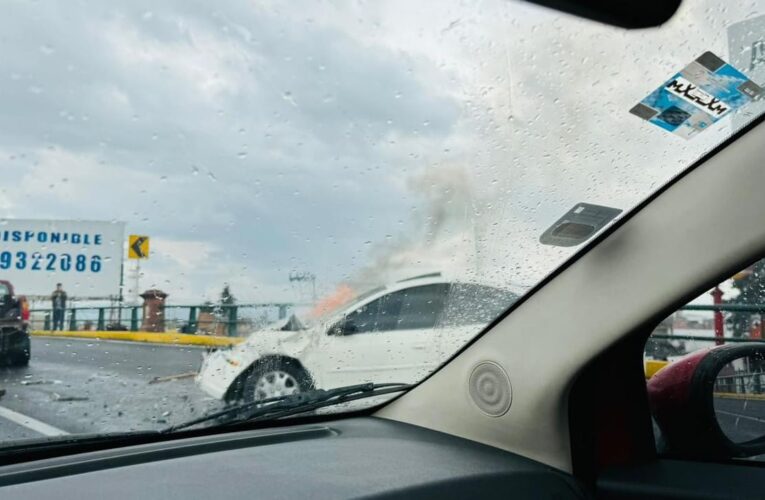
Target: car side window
{"type": "Point", "coordinates": [5, 293]}
{"type": "Point", "coordinates": [410, 309]}
{"type": "Point", "coordinates": [710, 353]}
{"type": "Point", "coordinates": [421, 307]}
{"type": "Point", "coordinates": [471, 304]}
{"type": "Point", "coordinates": [378, 315]}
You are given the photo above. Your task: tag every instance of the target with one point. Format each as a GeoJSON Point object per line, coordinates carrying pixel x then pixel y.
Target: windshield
{"type": "Point", "coordinates": [178, 177]}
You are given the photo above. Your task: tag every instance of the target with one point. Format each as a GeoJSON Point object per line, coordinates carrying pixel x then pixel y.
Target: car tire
{"type": "Point", "coordinates": [273, 378]}
{"type": "Point", "coordinates": [19, 359]}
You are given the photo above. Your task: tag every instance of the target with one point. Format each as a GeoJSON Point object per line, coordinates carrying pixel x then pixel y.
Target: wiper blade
{"type": "Point", "coordinates": [282, 406]}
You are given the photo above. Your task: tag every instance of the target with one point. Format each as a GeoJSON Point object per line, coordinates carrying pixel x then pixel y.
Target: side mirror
{"type": "Point", "coordinates": [711, 403]}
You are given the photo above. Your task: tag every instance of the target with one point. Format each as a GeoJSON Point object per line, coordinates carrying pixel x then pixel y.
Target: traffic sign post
{"type": "Point", "coordinates": [138, 250]}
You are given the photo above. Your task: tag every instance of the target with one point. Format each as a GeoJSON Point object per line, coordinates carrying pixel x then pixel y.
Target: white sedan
{"type": "Point", "coordinates": [398, 333]}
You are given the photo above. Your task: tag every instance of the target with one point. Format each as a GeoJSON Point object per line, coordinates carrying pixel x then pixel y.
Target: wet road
{"type": "Point", "coordinates": [86, 386]}
{"type": "Point", "coordinates": [741, 420]}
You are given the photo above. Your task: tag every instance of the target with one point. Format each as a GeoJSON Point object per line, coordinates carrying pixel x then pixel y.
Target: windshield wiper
{"type": "Point", "coordinates": [282, 406]}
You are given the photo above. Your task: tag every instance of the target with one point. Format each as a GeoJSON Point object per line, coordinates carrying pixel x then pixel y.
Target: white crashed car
{"type": "Point", "coordinates": [393, 334]}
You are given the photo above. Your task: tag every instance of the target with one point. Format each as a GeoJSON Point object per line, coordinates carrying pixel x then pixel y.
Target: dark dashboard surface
{"type": "Point", "coordinates": [350, 458]}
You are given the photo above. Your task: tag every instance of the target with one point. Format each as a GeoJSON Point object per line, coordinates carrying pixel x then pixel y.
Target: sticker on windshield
{"type": "Point", "coordinates": [700, 94]}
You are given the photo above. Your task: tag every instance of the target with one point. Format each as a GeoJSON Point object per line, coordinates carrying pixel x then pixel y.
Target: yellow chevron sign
{"type": "Point", "coordinates": [138, 247]}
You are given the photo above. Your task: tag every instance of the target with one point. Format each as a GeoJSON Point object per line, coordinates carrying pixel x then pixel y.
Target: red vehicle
{"type": "Point", "coordinates": [14, 326]}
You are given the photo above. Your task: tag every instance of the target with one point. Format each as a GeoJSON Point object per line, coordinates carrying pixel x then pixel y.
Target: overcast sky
{"type": "Point", "coordinates": [361, 141]}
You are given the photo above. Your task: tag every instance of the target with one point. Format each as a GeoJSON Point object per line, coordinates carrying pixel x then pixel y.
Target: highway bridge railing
{"type": "Point", "coordinates": [240, 319]}
{"type": "Point", "coordinates": [232, 320]}
{"type": "Point", "coordinates": [667, 328]}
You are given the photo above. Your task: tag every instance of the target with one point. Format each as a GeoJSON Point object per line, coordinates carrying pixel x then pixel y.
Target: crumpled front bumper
{"type": "Point", "coordinates": [219, 370]}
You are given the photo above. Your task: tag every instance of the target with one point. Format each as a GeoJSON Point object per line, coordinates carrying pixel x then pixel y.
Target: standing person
{"type": "Point", "coordinates": [58, 298]}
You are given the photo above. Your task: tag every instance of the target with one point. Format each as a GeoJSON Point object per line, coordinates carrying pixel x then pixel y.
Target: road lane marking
{"type": "Point", "coordinates": [745, 417]}
{"type": "Point", "coordinates": [31, 423]}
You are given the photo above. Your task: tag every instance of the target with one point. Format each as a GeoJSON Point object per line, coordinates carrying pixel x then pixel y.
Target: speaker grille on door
{"type": "Point", "coordinates": [489, 388]}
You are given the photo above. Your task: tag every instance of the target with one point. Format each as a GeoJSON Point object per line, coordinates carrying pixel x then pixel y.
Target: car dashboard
{"type": "Point", "coordinates": [348, 458]}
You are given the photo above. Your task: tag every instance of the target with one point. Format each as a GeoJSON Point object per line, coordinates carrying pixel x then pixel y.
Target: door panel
{"type": "Point", "coordinates": [390, 356]}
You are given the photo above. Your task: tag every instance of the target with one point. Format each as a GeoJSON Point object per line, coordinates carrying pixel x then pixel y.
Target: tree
{"type": "Point", "coordinates": [226, 297]}
{"type": "Point", "coordinates": [663, 348]}
{"type": "Point", "coordinates": [751, 291]}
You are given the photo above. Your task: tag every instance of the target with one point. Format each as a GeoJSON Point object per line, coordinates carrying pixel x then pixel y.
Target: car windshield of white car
{"type": "Point", "coordinates": [215, 203]}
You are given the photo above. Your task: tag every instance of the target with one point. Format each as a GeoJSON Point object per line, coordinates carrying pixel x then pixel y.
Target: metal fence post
{"type": "Point", "coordinates": [134, 319]}
{"type": "Point", "coordinates": [73, 320]}
{"type": "Point", "coordinates": [232, 321]}
{"type": "Point", "coordinates": [192, 319]}
{"type": "Point", "coordinates": [163, 325]}
{"type": "Point", "coordinates": [101, 325]}
{"type": "Point", "coordinates": [46, 325]}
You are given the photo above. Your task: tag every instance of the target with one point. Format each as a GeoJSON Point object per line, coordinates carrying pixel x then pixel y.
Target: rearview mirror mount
{"type": "Point", "coordinates": [630, 14]}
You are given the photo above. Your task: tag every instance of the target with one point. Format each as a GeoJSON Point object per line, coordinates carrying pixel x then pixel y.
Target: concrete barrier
{"type": "Point", "coordinates": [652, 366]}
{"type": "Point", "coordinates": [736, 395]}
{"type": "Point", "coordinates": [146, 337]}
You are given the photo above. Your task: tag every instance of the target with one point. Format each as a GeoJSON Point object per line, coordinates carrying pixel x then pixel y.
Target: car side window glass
{"type": "Point", "coordinates": [362, 320]}
{"type": "Point", "coordinates": [471, 304]}
{"type": "Point", "coordinates": [711, 352]}
{"type": "Point", "coordinates": [421, 307]}
{"type": "Point", "coordinates": [388, 313]}
{"type": "Point", "coordinates": [378, 315]}
{"type": "Point", "coordinates": [414, 308]}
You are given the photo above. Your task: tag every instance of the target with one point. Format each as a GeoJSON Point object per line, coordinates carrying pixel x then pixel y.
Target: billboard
{"type": "Point", "coordinates": [84, 256]}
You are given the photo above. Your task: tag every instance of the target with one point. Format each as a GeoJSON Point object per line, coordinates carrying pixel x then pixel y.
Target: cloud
{"type": "Point", "coordinates": [252, 140]}
{"type": "Point", "coordinates": [188, 255]}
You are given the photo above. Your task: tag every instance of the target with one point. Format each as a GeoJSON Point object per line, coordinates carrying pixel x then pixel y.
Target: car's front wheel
{"type": "Point", "coordinates": [19, 358]}
{"type": "Point", "coordinates": [273, 378]}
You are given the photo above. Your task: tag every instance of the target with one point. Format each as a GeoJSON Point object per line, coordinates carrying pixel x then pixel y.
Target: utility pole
{"type": "Point", "coordinates": [305, 277]}
{"type": "Point", "coordinates": [121, 297]}
{"type": "Point", "coordinates": [137, 285]}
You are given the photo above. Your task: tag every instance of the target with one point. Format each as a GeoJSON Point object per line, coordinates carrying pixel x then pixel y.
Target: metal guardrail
{"type": "Point", "coordinates": [225, 320]}
{"type": "Point", "coordinates": [705, 339]}
{"type": "Point", "coordinates": [722, 308]}
{"type": "Point", "coordinates": [741, 383]}
{"type": "Point", "coordinates": [752, 308]}
{"type": "Point", "coordinates": [229, 319]}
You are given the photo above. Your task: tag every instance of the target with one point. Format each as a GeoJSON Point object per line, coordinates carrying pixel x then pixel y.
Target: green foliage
{"type": "Point", "coordinates": [226, 297]}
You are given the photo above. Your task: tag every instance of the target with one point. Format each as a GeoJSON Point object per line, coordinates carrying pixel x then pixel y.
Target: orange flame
{"type": "Point", "coordinates": [341, 296]}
